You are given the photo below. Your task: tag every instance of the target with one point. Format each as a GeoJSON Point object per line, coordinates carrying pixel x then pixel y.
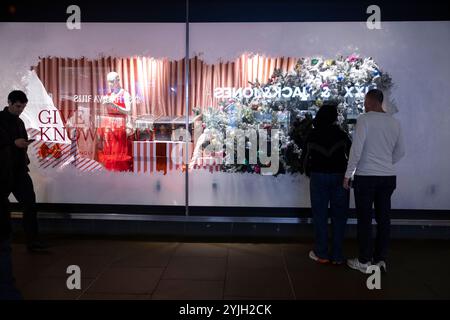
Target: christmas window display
{"type": "Point", "coordinates": [133, 117]}
{"type": "Point", "coordinates": [288, 101]}
{"type": "Point", "coordinates": [108, 105]}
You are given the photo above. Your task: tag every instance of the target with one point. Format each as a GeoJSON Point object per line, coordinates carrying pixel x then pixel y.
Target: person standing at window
{"type": "Point", "coordinates": [324, 159]}
{"type": "Point", "coordinates": [15, 141]}
{"type": "Point", "coordinates": [377, 146]}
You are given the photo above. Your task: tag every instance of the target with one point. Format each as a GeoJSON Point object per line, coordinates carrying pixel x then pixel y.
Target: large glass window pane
{"type": "Point", "coordinates": [248, 77]}
{"type": "Point", "coordinates": [104, 106]}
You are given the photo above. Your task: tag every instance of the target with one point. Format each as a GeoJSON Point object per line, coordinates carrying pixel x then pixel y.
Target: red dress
{"type": "Point", "coordinates": [114, 154]}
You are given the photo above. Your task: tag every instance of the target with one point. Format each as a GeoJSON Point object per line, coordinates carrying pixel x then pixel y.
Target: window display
{"type": "Point", "coordinates": [121, 125]}
{"type": "Point", "coordinates": [284, 96]}
{"type": "Point", "coordinates": [294, 92]}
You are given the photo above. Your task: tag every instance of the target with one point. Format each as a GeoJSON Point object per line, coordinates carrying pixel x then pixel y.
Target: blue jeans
{"type": "Point", "coordinates": [326, 190]}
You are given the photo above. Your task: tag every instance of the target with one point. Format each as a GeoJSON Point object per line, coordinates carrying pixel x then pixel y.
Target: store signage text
{"type": "Point", "coordinates": [271, 92]}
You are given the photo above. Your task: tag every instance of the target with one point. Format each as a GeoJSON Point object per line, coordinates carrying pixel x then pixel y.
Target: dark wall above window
{"type": "Point", "coordinates": [224, 11]}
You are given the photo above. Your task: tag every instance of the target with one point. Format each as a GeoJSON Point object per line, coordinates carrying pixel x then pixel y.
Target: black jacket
{"type": "Point", "coordinates": [12, 128]}
{"type": "Point", "coordinates": [326, 150]}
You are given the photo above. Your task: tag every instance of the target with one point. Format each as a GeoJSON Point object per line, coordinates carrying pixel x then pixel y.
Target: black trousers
{"type": "Point", "coordinates": [5, 218]}
{"type": "Point", "coordinates": [373, 191]}
{"type": "Point", "coordinates": [23, 191]}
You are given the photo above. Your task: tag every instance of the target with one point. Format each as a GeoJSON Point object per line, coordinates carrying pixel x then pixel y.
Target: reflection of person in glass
{"type": "Point", "coordinates": [114, 123]}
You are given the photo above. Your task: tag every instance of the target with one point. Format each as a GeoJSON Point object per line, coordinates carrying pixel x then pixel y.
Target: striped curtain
{"type": "Point", "coordinates": [157, 86]}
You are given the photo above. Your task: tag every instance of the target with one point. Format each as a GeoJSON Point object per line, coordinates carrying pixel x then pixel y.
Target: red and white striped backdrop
{"type": "Point", "coordinates": [149, 156]}
{"type": "Point", "coordinates": [152, 156]}
{"type": "Point", "coordinates": [68, 153]}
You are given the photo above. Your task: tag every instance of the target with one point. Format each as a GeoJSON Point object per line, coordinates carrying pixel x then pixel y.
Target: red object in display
{"type": "Point", "coordinates": [53, 151]}
{"type": "Point", "coordinates": [114, 154]}
{"type": "Point", "coordinates": [114, 150]}
{"type": "Point", "coordinates": [119, 102]}
{"type": "Point", "coordinates": [51, 155]}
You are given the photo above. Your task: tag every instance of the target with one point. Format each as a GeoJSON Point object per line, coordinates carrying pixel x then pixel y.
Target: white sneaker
{"type": "Point", "coordinates": [313, 256]}
{"type": "Point", "coordinates": [382, 266]}
{"type": "Point", "coordinates": [356, 265]}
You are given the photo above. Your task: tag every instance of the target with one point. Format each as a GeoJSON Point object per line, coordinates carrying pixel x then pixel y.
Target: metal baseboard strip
{"type": "Point", "coordinates": [209, 219]}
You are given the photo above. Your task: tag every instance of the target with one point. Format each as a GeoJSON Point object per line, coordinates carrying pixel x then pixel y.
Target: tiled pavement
{"type": "Point", "coordinates": [117, 269]}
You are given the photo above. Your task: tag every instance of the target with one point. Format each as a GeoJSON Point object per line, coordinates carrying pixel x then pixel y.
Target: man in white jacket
{"type": "Point", "coordinates": [377, 146]}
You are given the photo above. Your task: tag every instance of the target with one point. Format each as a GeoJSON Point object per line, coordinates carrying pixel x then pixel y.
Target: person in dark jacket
{"type": "Point", "coordinates": [8, 290]}
{"type": "Point", "coordinates": [324, 159]}
{"type": "Point", "coordinates": [14, 144]}
{"type": "Point", "coordinates": [6, 179]}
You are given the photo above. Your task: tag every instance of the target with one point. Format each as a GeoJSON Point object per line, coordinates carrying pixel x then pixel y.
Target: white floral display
{"type": "Point", "coordinates": [313, 81]}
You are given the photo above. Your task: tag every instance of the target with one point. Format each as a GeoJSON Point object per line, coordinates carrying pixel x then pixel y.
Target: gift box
{"type": "Point", "coordinates": [144, 128]}
{"type": "Point", "coordinates": [163, 156]}
{"type": "Point", "coordinates": [163, 128]}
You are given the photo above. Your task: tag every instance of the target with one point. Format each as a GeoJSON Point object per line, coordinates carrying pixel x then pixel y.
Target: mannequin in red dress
{"type": "Point", "coordinates": [114, 150]}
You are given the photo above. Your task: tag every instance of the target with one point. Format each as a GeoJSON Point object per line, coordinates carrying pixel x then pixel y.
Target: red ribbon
{"type": "Point", "coordinates": [55, 151]}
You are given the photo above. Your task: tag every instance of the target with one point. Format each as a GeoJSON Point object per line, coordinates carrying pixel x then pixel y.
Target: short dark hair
{"type": "Point", "coordinates": [17, 95]}
{"type": "Point", "coordinates": [376, 94]}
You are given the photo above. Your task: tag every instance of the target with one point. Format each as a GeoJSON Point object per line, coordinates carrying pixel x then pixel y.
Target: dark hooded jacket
{"type": "Point", "coordinates": [327, 146]}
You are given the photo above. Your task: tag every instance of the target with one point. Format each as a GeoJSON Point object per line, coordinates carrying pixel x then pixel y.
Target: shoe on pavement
{"type": "Point", "coordinates": [313, 256]}
{"type": "Point", "coordinates": [357, 265]}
